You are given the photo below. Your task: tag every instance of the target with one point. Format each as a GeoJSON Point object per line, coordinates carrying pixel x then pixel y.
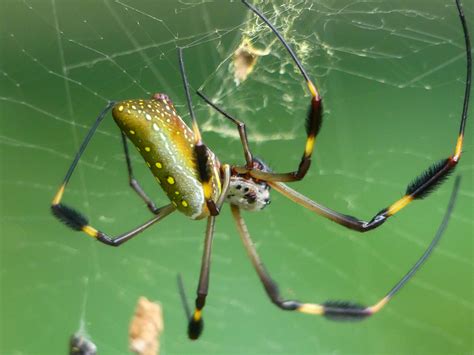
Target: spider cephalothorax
{"type": "Point", "coordinates": [249, 193]}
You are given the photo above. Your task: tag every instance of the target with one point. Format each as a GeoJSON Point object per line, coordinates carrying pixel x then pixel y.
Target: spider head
{"type": "Point", "coordinates": [248, 193]}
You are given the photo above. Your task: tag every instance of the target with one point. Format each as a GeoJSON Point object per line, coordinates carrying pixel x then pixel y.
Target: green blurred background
{"type": "Point", "coordinates": [392, 77]}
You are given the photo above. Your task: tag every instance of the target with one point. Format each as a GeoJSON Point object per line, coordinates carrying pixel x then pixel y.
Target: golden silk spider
{"type": "Point", "coordinates": [197, 184]}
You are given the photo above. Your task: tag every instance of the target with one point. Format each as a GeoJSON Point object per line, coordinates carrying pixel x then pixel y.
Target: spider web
{"type": "Point", "coordinates": [392, 77]}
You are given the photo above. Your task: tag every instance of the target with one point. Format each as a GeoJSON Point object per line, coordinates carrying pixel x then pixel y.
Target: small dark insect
{"type": "Point", "coordinates": [197, 184]}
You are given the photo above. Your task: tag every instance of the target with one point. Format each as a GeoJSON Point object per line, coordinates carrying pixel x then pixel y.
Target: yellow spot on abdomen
{"type": "Point", "coordinates": [158, 165]}
{"type": "Point", "coordinates": [184, 203]}
{"type": "Point", "coordinates": [132, 131]}
{"type": "Point", "coordinates": [120, 108]}
{"type": "Point", "coordinates": [170, 180]}
{"type": "Point", "coordinates": [147, 149]}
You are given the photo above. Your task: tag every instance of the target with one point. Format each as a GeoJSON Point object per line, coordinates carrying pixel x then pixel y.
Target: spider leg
{"type": "Point", "coordinates": [420, 187]}
{"type": "Point", "coordinates": [240, 126]}
{"type": "Point", "coordinates": [335, 310]}
{"type": "Point", "coordinates": [79, 222]}
{"type": "Point", "coordinates": [225, 185]}
{"type": "Point", "coordinates": [134, 184]}
{"type": "Point", "coordinates": [313, 123]}
{"type": "Point", "coordinates": [59, 194]}
{"type": "Point", "coordinates": [313, 119]}
{"type": "Point", "coordinates": [196, 324]}
{"type": "Point", "coordinates": [200, 149]}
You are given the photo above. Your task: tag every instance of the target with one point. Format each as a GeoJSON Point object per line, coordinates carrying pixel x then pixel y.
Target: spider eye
{"type": "Point", "coordinates": [160, 96]}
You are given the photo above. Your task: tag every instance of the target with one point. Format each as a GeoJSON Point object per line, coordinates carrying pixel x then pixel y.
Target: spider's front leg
{"type": "Point", "coordinates": [420, 187]}
{"type": "Point", "coordinates": [313, 122]}
{"type": "Point", "coordinates": [313, 125]}
{"type": "Point", "coordinates": [201, 151]}
{"type": "Point", "coordinates": [313, 119]}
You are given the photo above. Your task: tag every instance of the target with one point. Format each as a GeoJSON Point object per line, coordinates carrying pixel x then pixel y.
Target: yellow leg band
{"type": "Point", "coordinates": [309, 146]}
{"type": "Point", "coordinates": [197, 134]}
{"type": "Point", "coordinates": [458, 150]}
{"type": "Point", "coordinates": [90, 231]}
{"type": "Point", "coordinates": [59, 195]}
{"type": "Point", "coordinates": [197, 315]}
{"type": "Point", "coordinates": [397, 206]}
{"type": "Point", "coordinates": [377, 307]}
{"type": "Point", "coordinates": [207, 190]}
{"type": "Point", "coordinates": [312, 90]}
{"type": "Point", "coordinates": [310, 308]}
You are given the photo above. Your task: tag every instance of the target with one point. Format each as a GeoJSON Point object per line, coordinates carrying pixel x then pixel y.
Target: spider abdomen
{"type": "Point", "coordinates": [166, 144]}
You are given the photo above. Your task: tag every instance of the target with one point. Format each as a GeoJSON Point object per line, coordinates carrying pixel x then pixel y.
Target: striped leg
{"type": "Point", "coordinates": [196, 324]}
{"type": "Point", "coordinates": [79, 222]}
{"type": "Point", "coordinates": [335, 310]}
{"type": "Point", "coordinates": [240, 126]}
{"type": "Point", "coordinates": [313, 119]}
{"type": "Point", "coordinates": [253, 167]}
{"type": "Point", "coordinates": [420, 187]}
{"type": "Point", "coordinates": [313, 124]}
{"type": "Point", "coordinates": [200, 149]}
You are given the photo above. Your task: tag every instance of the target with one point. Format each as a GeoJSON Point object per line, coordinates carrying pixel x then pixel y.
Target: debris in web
{"type": "Point", "coordinates": [146, 327]}
{"type": "Point", "coordinates": [245, 58]}
{"type": "Point", "coordinates": [81, 344]}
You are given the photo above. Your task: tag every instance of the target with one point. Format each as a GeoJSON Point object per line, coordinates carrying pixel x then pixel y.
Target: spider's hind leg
{"type": "Point", "coordinates": [76, 220]}
{"type": "Point", "coordinates": [201, 151]}
{"type": "Point", "coordinates": [336, 310]}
